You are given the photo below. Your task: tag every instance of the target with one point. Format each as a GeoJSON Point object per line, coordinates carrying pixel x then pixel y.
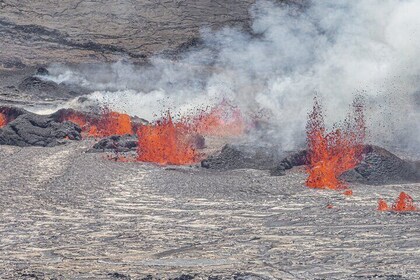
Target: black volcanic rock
{"type": "Point", "coordinates": [42, 71]}
{"type": "Point", "coordinates": [380, 166]}
{"type": "Point", "coordinates": [116, 143]}
{"type": "Point", "coordinates": [36, 84]}
{"type": "Point", "coordinates": [242, 156]}
{"type": "Point", "coordinates": [294, 159]}
{"type": "Point", "coordinates": [36, 130]}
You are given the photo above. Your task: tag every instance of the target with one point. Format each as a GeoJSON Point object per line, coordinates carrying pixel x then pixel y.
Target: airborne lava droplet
{"type": "Point", "coordinates": [332, 153]}
{"type": "Point", "coordinates": [348, 192]}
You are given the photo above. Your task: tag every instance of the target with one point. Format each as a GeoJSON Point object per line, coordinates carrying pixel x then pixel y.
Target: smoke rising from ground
{"type": "Point", "coordinates": [336, 49]}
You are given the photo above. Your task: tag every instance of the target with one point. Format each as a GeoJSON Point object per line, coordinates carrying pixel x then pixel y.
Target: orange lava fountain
{"type": "Point", "coordinates": [166, 142]}
{"type": "Point", "coordinates": [333, 153]}
{"type": "Point", "coordinates": [3, 120]}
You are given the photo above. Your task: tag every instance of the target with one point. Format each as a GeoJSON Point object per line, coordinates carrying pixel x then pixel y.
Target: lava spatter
{"type": "Point", "coordinates": [332, 153]}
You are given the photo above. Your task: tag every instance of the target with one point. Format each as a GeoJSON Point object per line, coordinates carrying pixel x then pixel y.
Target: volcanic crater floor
{"type": "Point", "coordinates": [68, 214]}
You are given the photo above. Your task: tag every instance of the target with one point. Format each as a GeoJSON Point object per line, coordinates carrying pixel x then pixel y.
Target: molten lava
{"type": "Point", "coordinates": [222, 120]}
{"type": "Point", "coordinates": [3, 120]}
{"type": "Point", "coordinates": [382, 205]}
{"type": "Point", "coordinates": [348, 192]}
{"type": "Point", "coordinates": [107, 124]}
{"type": "Point", "coordinates": [333, 153]}
{"type": "Point", "coordinates": [111, 123]}
{"type": "Point", "coordinates": [404, 203]}
{"type": "Point", "coordinates": [166, 142]}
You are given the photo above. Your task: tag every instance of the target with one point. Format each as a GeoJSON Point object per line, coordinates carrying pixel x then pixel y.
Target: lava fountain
{"type": "Point", "coordinates": [332, 153]}
{"type": "Point", "coordinates": [166, 142]}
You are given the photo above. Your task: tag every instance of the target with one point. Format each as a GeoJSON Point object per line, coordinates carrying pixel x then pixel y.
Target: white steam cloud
{"type": "Point", "coordinates": [336, 49]}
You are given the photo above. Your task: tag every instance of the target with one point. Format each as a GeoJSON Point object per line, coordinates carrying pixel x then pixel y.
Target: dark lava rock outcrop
{"type": "Point", "coordinates": [116, 143]}
{"type": "Point", "coordinates": [242, 156]}
{"type": "Point", "coordinates": [29, 129]}
{"type": "Point", "coordinates": [380, 166]}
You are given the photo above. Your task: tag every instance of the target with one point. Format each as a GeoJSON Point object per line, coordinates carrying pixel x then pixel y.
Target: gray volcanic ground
{"type": "Point", "coordinates": [67, 214]}
{"type": "Point", "coordinates": [70, 214]}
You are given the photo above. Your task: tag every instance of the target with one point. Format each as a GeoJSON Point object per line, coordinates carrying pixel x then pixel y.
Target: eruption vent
{"type": "Point", "coordinates": [332, 153]}
{"type": "Point", "coordinates": [166, 142]}
{"type": "Point", "coordinates": [169, 142]}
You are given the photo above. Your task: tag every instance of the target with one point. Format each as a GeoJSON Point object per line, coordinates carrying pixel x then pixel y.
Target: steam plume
{"type": "Point", "coordinates": [334, 48]}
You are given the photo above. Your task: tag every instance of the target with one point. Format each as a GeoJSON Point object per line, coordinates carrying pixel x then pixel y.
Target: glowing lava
{"type": "Point", "coordinates": [222, 120]}
{"type": "Point", "coordinates": [106, 124]}
{"type": "Point", "coordinates": [3, 120]}
{"type": "Point", "coordinates": [333, 153]}
{"type": "Point", "coordinates": [382, 205]}
{"type": "Point", "coordinates": [111, 123]}
{"type": "Point", "coordinates": [166, 142]}
{"type": "Point", "coordinates": [404, 203]}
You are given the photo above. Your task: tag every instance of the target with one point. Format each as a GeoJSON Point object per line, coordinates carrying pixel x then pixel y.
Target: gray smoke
{"type": "Point", "coordinates": [336, 49]}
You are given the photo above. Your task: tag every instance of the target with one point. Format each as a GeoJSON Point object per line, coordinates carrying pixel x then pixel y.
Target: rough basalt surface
{"type": "Point", "coordinates": [116, 143]}
{"type": "Point", "coordinates": [29, 129]}
{"type": "Point", "coordinates": [243, 156]}
{"type": "Point", "coordinates": [380, 166]}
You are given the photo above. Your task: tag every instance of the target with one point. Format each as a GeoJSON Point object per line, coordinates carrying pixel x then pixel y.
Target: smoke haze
{"type": "Point", "coordinates": [335, 49]}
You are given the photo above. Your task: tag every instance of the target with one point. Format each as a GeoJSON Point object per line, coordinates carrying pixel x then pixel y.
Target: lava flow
{"type": "Point", "coordinates": [333, 153]}
{"type": "Point", "coordinates": [166, 142]}
{"type": "Point", "coordinates": [404, 203]}
{"type": "Point", "coordinates": [107, 124]}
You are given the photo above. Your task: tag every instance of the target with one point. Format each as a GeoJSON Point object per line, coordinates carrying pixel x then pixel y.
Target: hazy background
{"type": "Point", "coordinates": [271, 64]}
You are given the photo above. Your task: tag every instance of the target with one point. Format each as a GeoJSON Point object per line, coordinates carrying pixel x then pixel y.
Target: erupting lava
{"type": "Point", "coordinates": [169, 142]}
{"type": "Point", "coordinates": [222, 120]}
{"type": "Point", "coordinates": [111, 123]}
{"type": "Point", "coordinates": [166, 142]}
{"type": "Point", "coordinates": [107, 124]}
{"type": "Point", "coordinates": [3, 120]}
{"type": "Point", "coordinates": [332, 153]}
{"type": "Point", "coordinates": [403, 203]}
